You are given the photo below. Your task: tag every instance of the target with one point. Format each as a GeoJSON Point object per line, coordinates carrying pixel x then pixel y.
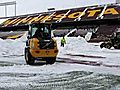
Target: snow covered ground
{"type": "Point", "coordinates": [16, 75]}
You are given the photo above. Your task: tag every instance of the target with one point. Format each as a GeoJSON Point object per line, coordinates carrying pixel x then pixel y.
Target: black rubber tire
{"type": "Point", "coordinates": [28, 57]}
{"type": "Point", "coordinates": [102, 45]}
{"type": "Point", "coordinates": [117, 47]}
{"type": "Point", "coordinates": [50, 60]}
{"type": "Point", "coordinates": [108, 45]}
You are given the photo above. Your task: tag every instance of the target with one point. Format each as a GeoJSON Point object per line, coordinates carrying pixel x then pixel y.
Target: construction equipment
{"type": "Point", "coordinates": [40, 45]}
{"type": "Point", "coordinates": [114, 41]}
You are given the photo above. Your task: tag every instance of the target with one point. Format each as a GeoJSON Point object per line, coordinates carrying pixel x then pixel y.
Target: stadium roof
{"type": "Point", "coordinates": [83, 14]}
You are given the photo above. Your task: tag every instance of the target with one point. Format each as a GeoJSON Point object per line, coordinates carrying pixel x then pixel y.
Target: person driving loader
{"type": "Point", "coordinates": [38, 34]}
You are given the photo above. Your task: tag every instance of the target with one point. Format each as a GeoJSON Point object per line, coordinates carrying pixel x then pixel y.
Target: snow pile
{"type": "Point", "coordinates": [79, 46]}
{"type": "Point", "coordinates": [73, 45]}
{"type": "Point", "coordinates": [76, 45]}
{"type": "Point", "coordinates": [11, 47]}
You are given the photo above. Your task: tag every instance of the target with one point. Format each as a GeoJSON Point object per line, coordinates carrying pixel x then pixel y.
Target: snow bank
{"type": "Point", "coordinates": [12, 47]}
{"type": "Point", "coordinates": [76, 45]}
{"type": "Point", "coordinates": [79, 46]}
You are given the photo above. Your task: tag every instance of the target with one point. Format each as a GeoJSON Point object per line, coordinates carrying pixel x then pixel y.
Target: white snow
{"type": "Point", "coordinates": [11, 51]}
{"type": "Point", "coordinates": [15, 74]}
{"type": "Point", "coordinates": [88, 36]}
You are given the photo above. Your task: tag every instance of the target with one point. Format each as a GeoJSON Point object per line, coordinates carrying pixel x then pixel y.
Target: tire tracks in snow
{"type": "Point", "coordinates": [85, 62]}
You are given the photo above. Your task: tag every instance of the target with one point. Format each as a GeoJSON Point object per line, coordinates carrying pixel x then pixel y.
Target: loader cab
{"type": "Point", "coordinates": [39, 31]}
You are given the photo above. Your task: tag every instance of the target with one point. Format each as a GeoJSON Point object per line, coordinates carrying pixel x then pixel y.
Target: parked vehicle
{"type": "Point", "coordinates": [113, 42]}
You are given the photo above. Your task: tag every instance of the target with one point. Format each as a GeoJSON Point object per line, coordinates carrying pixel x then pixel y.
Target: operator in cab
{"type": "Point", "coordinates": [41, 33]}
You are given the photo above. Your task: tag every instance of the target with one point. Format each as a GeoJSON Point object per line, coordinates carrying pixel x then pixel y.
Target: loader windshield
{"type": "Point", "coordinates": [40, 31]}
{"type": "Point", "coordinates": [34, 29]}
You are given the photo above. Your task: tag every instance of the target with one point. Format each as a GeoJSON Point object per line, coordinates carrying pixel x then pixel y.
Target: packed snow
{"type": "Point", "coordinates": [16, 74]}
{"type": "Point", "coordinates": [13, 51]}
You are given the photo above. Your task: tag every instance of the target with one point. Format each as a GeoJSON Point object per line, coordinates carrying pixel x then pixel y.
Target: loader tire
{"type": "Point", "coordinates": [108, 45]}
{"type": "Point", "coordinates": [28, 57]}
{"type": "Point", "coordinates": [102, 45]}
{"type": "Point", "coordinates": [50, 60]}
{"type": "Point", "coordinates": [117, 46]}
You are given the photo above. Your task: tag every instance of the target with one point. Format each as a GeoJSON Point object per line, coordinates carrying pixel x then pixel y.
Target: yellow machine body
{"type": "Point", "coordinates": [37, 52]}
